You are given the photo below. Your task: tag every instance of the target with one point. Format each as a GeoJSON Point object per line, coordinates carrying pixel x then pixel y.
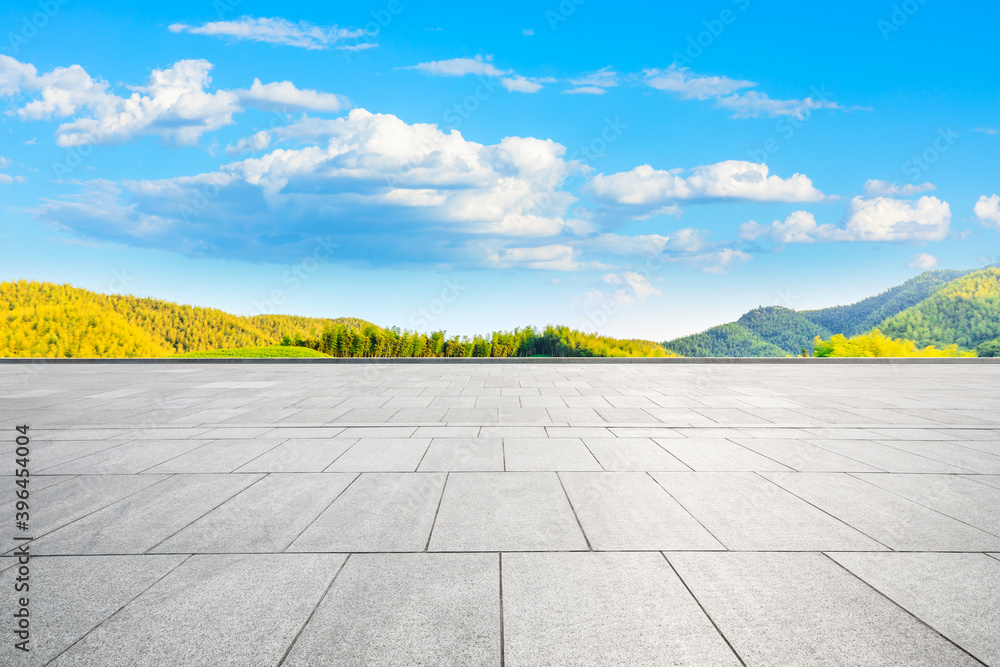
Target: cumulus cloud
{"type": "Point", "coordinates": [886, 219]}
{"type": "Point", "coordinates": [273, 31]}
{"type": "Point", "coordinates": [646, 187]}
{"type": "Point", "coordinates": [731, 94]}
{"type": "Point", "coordinates": [625, 289]}
{"type": "Point", "coordinates": [252, 144]}
{"type": "Point", "coordinates": [799, 227]}
{"type": "Point", "coordinates": [388, 190]}
{"type": "Point", "coordinates": [923, 261]}
{"type": "Point", "coordinates": [520, 84]}
{"type": "Point", "coordinates": [879, 219]}
{"type": "Point", "coordinates": [682, 241]}
{"type": "Point", "coordinates": [174, 104]}
{"type": "Point", "coordinates": [283, 95]}
{"type": "Point", "coordinates": [876, 188]}
{"type": "Point", "coordinates": [987, 209]}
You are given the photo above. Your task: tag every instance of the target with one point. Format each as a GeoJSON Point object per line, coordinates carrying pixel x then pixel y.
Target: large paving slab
{"type": "Point", "coordinates": [512, 513]}
{"type": "Point", "coordinates": [603, 609]}
{"type": "Point", "coordinates": [956, 594]}
{"type": "Point", "coordinates": [804, 609]}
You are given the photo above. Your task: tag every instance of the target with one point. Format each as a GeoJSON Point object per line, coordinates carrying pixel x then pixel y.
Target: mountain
{"type": "Point", "coordinates": [964, 312]}
{"type": "Point", "coordinates": [775, 331]}
{"type": "Point", "coordinates": [727, 340]}
{"type": "Point", "coordinates": [866, 314]}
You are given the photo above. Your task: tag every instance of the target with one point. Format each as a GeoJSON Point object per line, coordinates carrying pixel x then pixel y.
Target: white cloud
{"type": "Point", "coordinates": [753, 104]}
{"type": "Point", "coordinates": [273, 31]}
{"type": "Point", "coordinates": [388, 190]}
{"type": "Point", "coordinates": [174, 104]}
{"type": "Point", "coordinates": [987, 209]}
{"type": "Point", "coordinates": [876, 188]}
{"type": "Point", "coordinates": [252, 144]}
{"type": "Point", "coordinates": [595, 83]}
{"type": "Point", "coordinates": [585, 90]}
{"type": "Point", "coordinates": [7, 179]}
{"type": "Point", "coordinates": [923, 261]}
{"type": "Point", "coordinates": [730, 180]}
{"type": "Point", "coordinates": [885, 219]}
{"type": "Point", "coordinates": [986, 130]}
{"type": "Point", "coordinates": [627, 289]}
{"type": "Point", "coordinates": [799, 227]}
{"type": "Point", "coordinates": [687, 85]}
{"type": "Point", "coordinates": [282, 95]}
{"type": "Point", "coordinates": [880, 219]}
{"type": "Point", "coordinates": [460, 67]}
{"type": "Point", "coordinates": [527, 32]}
{"type": "Point", "coordinates": [520, 84]}
{"type": "Point", "coordinates": [721, 261]}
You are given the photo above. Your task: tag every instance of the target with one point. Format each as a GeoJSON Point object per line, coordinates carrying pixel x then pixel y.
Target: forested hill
{"type": "Point", "coordinates": [49, 320]}
{"type": "Point", "coordinates": [46, 319]}
{"type": "Point", "coordinates": [965, 312]}
{"type": "Point", "coordinates": [927, 305]}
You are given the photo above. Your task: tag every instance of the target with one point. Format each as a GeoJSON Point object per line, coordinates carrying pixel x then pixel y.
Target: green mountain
{"type": "Point", "coordinates": [727, 340]}
{"type": "Point", "coordinates": [935, 308]}
{"type": "Point", "coordinates": [965, 312]}
{"type": "Point", "coordinates": [866, 314]}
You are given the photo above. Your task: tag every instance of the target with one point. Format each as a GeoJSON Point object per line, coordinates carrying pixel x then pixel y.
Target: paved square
{"type": "Point", "coordinates": [513, 513]}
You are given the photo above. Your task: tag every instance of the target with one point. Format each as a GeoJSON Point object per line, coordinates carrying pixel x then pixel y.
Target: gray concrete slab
{"type": "Point", "coordinates": [213, 610]}
{"type": "Point", "coordinates": [717, 455]}
{"type": "Point", "coordinates": [382, 455]}
{"type": "Point", "coordinates": [463, 454]}
{"type": "Point", "coordinates": [140, 521]}
{"type": "Point", "coordinates": [802, 456]}
{"type": "Point", "coordinates": [123, 459]}
{"type": "Point", "coordinates": [898, 523]}
{"type": "Point", "coordinates": [627, 511]}
{"type": "Point", "coordinates": [266, 517]}
{"type": "Point", "coordinates": [747, 512]}
{"type": "Point", "coordinates": [407, 609]}
{"type": "Point", "coordinates": [511, 511]}
{"type": "Point", "coordinates": [70, 595]}
{"type": "Point", "coordinates": [625, 453]}
{"type": "Point", "coordinates": [218, 456]}
{"type": "Point", "coordinates": [299, 455]}
{"type": "Point", "coordinates": [956, 454]}
{"type": "Point", "coordinates": [804, 609]}
{"type": "Point", "coordinates": [989, 480]}
{"type": "Point", "coordinates": [958, 497]}
{"type": "Point", "coordinates": [540, 454]}
{"type": "Point", "coordinates": [603, 609]}
{"type": "Point", "coordinates": [956, 594]}
{"type": "Point", "coordinates": [884, 457]}
{"type": "Point", "coordinates": [378, 512]}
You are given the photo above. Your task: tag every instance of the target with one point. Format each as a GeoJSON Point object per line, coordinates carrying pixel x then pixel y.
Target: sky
{"type": "Point", "coordinates": [637, 169]}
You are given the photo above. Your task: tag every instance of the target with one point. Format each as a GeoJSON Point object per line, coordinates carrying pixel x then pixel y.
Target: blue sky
{"type": "Point", "coordinates": [639, 169]}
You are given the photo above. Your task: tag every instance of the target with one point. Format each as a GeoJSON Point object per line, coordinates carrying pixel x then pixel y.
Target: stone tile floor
{"type": "Point", "coordinates": [506, 514]}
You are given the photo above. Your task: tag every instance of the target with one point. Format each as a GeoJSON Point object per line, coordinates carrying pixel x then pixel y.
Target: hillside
{"type": "Point", "coordinates": [50, 320]}
{"type": "Point", "coordinates": [727, 340]}
{"type": "Point", "coordinates": [965, 312]}
{"type": "Point", "coordinates": [868, 313]}
{"type": "Point", "coordinates": [766, 330]}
